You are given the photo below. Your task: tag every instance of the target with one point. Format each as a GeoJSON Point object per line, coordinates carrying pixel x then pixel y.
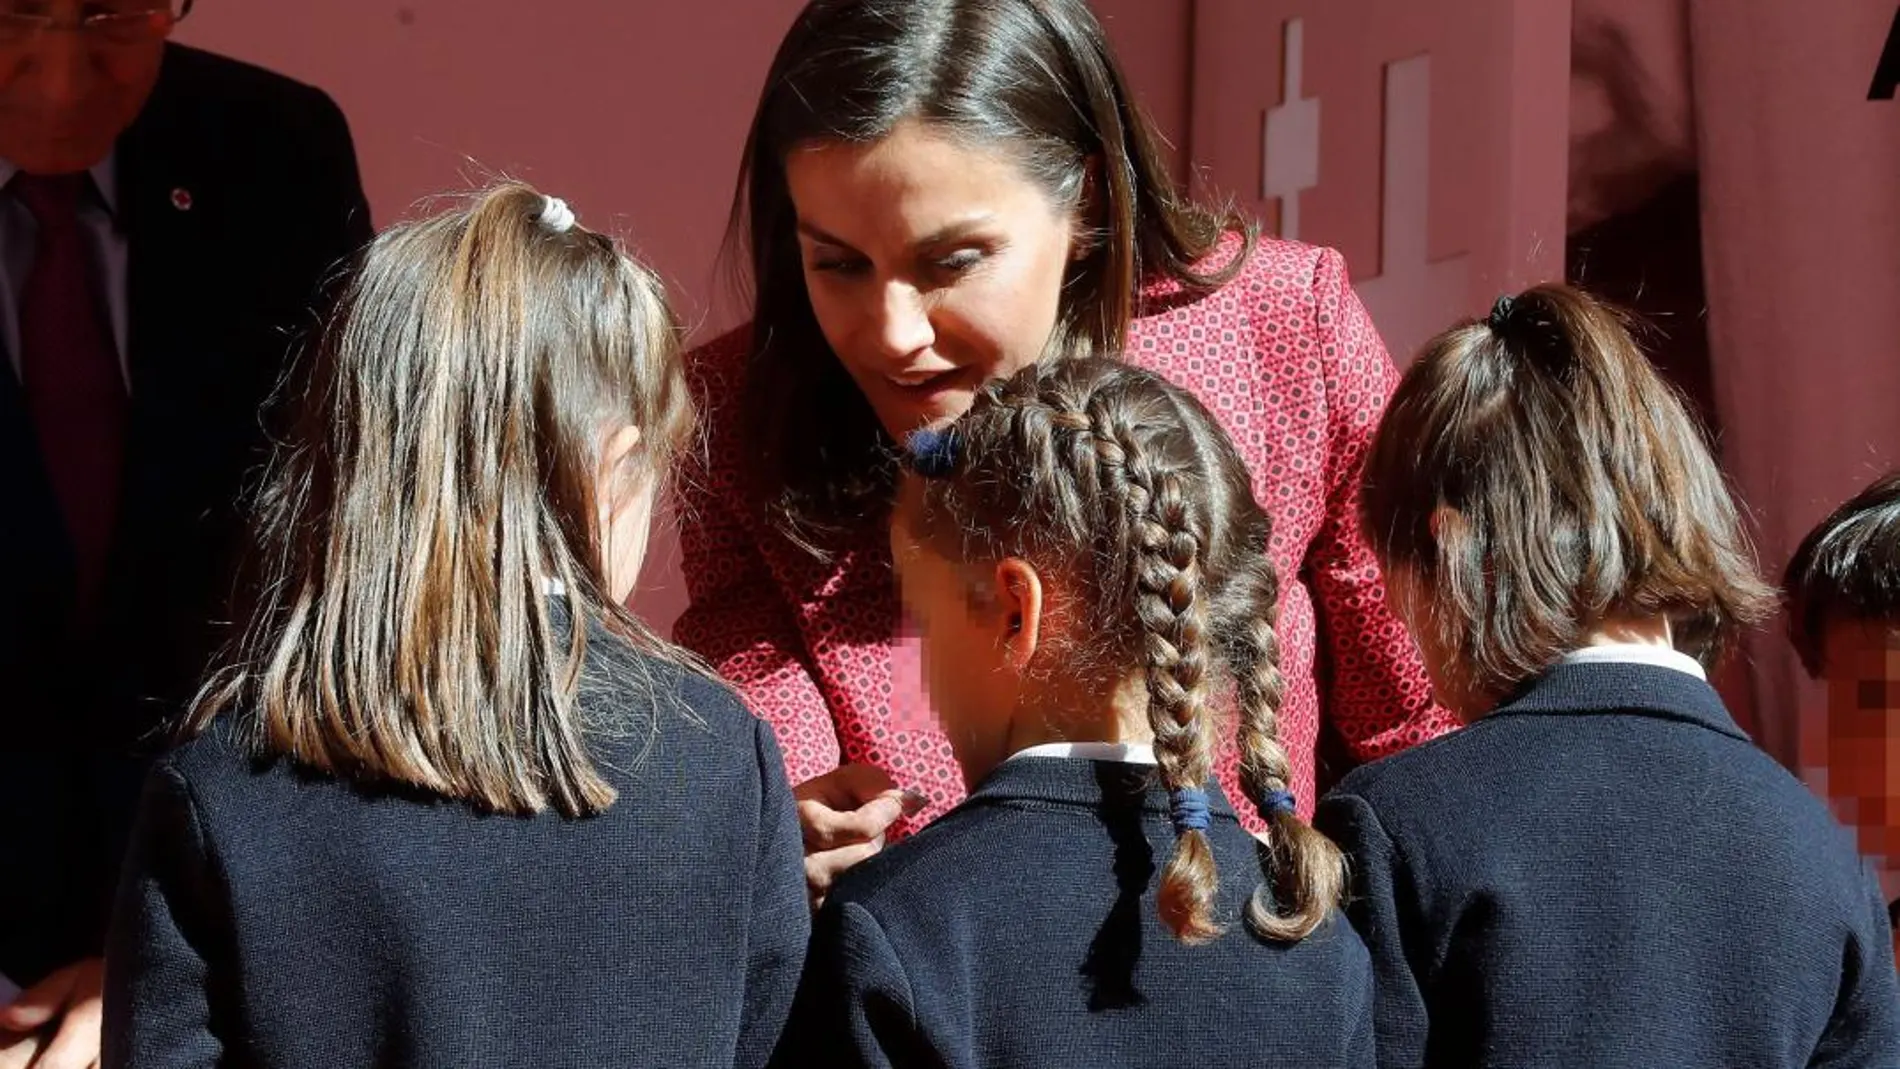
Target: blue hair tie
{"type": "Point", "coordinates": [1277, 802]}
{"type": "Point", "coordinates": [933, 454]}
{"type": "Point", "coordinates": [1189, 806]}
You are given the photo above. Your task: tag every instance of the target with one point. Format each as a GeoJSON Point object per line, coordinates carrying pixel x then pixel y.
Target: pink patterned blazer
{"type": "Point", "coordinates": [1286, 358]}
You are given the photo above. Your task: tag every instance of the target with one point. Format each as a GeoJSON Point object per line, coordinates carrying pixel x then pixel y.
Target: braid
{"type": "Point", "coordinates": [1128, 486]}
{"type": "Point", "coordinates": [1304, 872]}
{"type": "Point", "coordinates": [1163, 535]}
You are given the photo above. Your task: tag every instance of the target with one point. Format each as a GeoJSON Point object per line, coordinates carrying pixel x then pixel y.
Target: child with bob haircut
{"type": "Point", "coordinates": [446, 802]}
{"type": "Point", "coordinates": [1600, 869]}
{"type": "Point", "coordinates": [1087, 565]}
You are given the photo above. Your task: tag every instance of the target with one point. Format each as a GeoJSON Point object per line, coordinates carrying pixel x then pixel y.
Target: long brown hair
{"type": "Point", "coordinates": [443, 469]}
{"type": "Point", "coordinates": [1034, 78]}
{"type": "Point", "coordinates": [1125, 485]}
{"type": "Point", "coordinates": [1542, 481]}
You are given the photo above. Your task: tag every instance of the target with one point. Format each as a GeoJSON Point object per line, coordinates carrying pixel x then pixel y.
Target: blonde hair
{"type": "Point", "coordinates": [1123, 483]}
{"type": "Point", "coordinates": [442, 470]}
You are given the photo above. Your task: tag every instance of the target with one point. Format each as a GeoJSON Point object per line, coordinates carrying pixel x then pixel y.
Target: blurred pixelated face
{"type": "Point", "coordinates": [1862, 733]}
{"type": "Point", "coordinates": [66, 94]}
{"type": "Point", "coordinates": [973, 688]}
{"type": "Point", "coordinates": [932, 267]}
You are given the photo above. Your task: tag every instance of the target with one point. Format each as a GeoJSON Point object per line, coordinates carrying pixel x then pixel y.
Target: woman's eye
{"type": "Point", "coordinates": [960, 261]}
{"type": "Point", "coordinates": [838, 265]}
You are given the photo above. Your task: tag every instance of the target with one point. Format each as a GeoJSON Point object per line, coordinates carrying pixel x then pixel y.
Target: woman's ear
{"type": "Point", "coordinates": [1019, 608]}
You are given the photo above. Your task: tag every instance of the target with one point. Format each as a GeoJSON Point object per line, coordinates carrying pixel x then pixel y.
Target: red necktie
{"type": "Point", "coordinates": [70, 370]}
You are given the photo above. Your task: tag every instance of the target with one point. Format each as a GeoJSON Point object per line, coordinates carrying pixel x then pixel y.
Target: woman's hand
{"type": "Point", "coordinates": [844, 815]}
{"type": "Point", "coordinates": [55, 1024]}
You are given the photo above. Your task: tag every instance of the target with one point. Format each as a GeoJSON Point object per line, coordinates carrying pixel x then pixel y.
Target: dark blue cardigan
{"type": "Point", "coordinates": [272, 917]}
{"type": "Point", "coordinates": [1607, 872]}
{"type": "Point", "coordinates": [1020, 930]}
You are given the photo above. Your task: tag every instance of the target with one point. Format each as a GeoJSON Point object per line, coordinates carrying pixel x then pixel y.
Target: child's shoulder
{"type": "Point", "coordinates": [625, 688]}
{"type": "Point", "coordinates": [930, 865]}
{"type": "Point", "coordinates": [1426, 765]}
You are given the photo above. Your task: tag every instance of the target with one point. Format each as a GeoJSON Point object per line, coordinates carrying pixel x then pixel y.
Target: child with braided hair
{"type": "Point", "coordinates": [1087, 565]}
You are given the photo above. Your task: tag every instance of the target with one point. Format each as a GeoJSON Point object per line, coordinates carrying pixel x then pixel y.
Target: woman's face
{"type": "Point", "coordinates": [932, 266]}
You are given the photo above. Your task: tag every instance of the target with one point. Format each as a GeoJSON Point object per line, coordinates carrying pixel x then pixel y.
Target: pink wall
{"type": "Point", "coordinates": [1801, 223]}
{"type": "Point", "coordinates": [1766, 102]}
{"type": "Point", "coordinates": [1441, 148]}
{"type": "Point", "coordinates": [629, 111]}
{"type": "Point", "coordinates": [617, 107]}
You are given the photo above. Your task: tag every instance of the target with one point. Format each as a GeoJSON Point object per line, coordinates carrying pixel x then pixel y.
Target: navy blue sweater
{"type": "Point", "coordinates": [1020, 930]}
{"type": "Point", "coordinates": [1606, 872]}
{"type": "Point", "coordinates": [273, 917]}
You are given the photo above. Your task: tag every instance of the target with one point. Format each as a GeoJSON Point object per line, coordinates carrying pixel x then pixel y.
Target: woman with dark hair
{"type": "Point", "coordinates": [935, 194]}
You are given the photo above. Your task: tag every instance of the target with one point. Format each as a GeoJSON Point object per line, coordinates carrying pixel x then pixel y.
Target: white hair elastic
{"type": "Point", "coordinates": [555, 215]}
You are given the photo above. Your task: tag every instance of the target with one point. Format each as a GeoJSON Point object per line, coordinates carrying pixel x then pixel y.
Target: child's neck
{"type": "Point", "coordinates": [1069, 712]}
{"type": "Point", "coordinates": [1638, 631]}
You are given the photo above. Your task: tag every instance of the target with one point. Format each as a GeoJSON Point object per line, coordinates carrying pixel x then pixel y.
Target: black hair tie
{"type": "Point", "coordinates": [1501, 311]}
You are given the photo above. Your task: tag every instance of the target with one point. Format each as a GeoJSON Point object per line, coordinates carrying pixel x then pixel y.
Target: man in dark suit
{"type": "Point", "coordinates": [168, 219]}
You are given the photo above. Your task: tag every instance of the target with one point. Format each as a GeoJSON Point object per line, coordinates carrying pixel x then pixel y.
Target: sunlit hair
{"type": "Point", "coordinates": [442, 470]}
{"type": "Point", "coordinates": [1124, 486]}
{"type": "Point", "coordinates": [1034, 79]}
{"type": "Point", "coordinates": [1541, 480]}
{"type": "Point", "coordinates": [1847, 570]}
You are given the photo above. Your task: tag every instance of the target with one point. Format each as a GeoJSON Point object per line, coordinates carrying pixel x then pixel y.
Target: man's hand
{"type": "Point", "coordinates": [56, 1023]}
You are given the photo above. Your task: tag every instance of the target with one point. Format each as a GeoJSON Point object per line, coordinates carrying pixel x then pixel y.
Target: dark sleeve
{"type": "Point", "coordinates": [1361, 1036]}
{"type": "Point", "coordinates": [854, 1007]}
{"type": "Point", "coordinates": [1399, 1017]}
{"type": "Point", "coordinates": [1865, 1028]}
{"type": "Point", "coordinates": [781, 916]}
{"type": "Point", "coordinates": [340, 209]}
{"type": "Point", "coordinates": [160, 983]}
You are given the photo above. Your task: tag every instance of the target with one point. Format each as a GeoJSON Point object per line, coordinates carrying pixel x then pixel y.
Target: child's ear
{"type": "Point", "coordinates": [613, 460]}
{"type": "Point", "coordinates": [1445, 522]}
{"type": "Point", "coordinates": [1019, 611]}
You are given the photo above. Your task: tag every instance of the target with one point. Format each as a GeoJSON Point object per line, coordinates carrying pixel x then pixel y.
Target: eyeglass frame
{"type": "Point", "coordinates": [99, 25]}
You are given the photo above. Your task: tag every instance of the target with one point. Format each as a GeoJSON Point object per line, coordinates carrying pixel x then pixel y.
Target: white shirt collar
{"type": "Point", "coordinates": [1637, 653]}
{"type": "Point", "coordinates": [1134, 753]}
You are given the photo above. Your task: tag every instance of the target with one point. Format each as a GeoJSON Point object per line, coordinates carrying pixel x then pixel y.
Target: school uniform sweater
{"type": "Point", "coordinates": [1606, 872]}
{"type": "Point", "coordinates": [271, 916]}
{"type": "Point", "coordinates": [1020, 930]}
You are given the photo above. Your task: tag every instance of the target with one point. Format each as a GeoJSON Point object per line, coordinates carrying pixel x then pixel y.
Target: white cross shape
{"type": "Point", "coordinates": [1412, 298]}
{"type": "Point", "coordinates": [1289, 136]}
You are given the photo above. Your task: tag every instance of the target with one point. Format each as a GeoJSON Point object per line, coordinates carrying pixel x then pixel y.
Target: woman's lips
{"type": "Point", "coordinates": [932, 383]}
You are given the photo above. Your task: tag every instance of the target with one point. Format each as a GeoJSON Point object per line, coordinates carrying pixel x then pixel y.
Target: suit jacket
{"type": "Point", "coordinates": [1021, 931]}
{"type": "Point", "coordinates": [1606, 872]}
{"type": "Point", "coordinates": [271, 916]}
{"type": "Point", "coordinates": [1284, 356]}
{"type": "Point", "coordinates": [238, 195]}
